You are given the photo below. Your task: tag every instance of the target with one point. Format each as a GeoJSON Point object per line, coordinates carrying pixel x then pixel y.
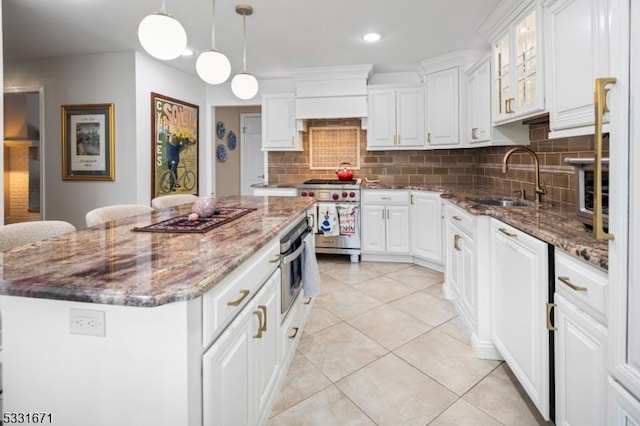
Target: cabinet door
{"type": "Point", "coordinates": [397, 229]}
{"type": "Point", "coordinates": [581, 368]}
{"type": "Point", "coordinates": [502, 76]}
{"type": "Point", "coordinates": [479, 104]}
{"type": "Point", "coordinates": [226, 376]}
{"type": "Point", "coordinates": [519, 294]}
{"type": "Point", "coordinates": [453, 263]}
{"type": "Point", "coordinates": [576, 53]}
{"type": "Point", "coordinates": [527, 74]}
{"type": "Point", "coordinates": [381, 130]}
{"type": "Point", "coordinates": [373, 229]}
{"type": "Point", "coordinates": [266, 351]}
{"type": "Point", "coordinates": [278, 122]}
{"type": "Point", "coordinates": [410, 117]}
{"type": "Point", "coordinates": [442, 108]}
{"type": "Point", "coordinates": [426, 226]}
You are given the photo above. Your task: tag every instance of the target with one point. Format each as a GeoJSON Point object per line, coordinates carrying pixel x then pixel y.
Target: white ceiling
{"type": "Point", "coordinates": [281, 34]}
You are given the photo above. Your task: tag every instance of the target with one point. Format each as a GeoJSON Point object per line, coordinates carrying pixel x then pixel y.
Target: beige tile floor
{"type": "Point", "coordinates": [383, 347]}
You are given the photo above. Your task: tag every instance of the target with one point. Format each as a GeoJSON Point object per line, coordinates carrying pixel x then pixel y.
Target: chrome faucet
{"type": "Point", "coordinates": [540, 189]}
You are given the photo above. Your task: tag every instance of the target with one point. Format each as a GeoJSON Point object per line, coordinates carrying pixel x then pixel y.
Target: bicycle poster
{"type": "Point", "coordinates": [174, 146]}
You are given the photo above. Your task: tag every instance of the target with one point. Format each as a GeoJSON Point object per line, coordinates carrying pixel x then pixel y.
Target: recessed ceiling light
{"type": "Point", "coordinates": [371, 37]}
{"type": "Point", "coordinates": [187, 52]}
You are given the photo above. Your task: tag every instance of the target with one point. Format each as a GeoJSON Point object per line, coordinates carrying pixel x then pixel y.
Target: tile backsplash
{"type": "Point", "coordinates": [473, 166]}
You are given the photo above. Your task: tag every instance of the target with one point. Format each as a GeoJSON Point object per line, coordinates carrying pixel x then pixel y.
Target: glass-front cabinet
{"type": "Point", "coordinates": [518, 77]}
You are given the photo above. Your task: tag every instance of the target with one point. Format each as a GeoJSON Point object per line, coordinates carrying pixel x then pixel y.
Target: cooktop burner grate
{"type": "Point", "coordinates": [330, 182]}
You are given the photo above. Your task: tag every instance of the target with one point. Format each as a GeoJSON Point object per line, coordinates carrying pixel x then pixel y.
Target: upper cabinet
{"type": "Point", "coordinates": [576, 52]}
{"type": "Point", "coordinates": [443, 104]}
{"type": "Point", "coordinates": [396, 118]}
{"type": "Point", "coordinates": [279, 131]}
{"type": "Point", "coordinates": [518, 67]}
{"type": "Point", "coordinates": [479, 124]}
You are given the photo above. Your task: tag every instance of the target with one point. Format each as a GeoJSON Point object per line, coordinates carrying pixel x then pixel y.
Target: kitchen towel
{"type": "Point", "coordinates": [347, 220]}
{"type": "Point", "coordinates": [310, 270]}
{"type": "Point", "coordinates": [328, 219]}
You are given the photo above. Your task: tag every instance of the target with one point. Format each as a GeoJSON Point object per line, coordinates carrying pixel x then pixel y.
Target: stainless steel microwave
{"type": "Point", "coordinates": [585, 189]}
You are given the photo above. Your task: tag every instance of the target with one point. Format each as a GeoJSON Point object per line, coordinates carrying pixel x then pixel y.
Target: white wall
{"type": "Point", "coordinates": [84, 79]}
{"type": "Point", "coordinates": [154, 76]}
{"type": "Point", "coordinates": [126, 80]}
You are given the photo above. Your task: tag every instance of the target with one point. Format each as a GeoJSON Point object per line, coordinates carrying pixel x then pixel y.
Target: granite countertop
{"type": "Point", "coordinates": [554, 223]}
{"type": "Point", "coordinates": [111, 264]}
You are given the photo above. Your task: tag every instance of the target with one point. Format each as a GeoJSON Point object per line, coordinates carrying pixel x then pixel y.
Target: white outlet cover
{"type": "Point", "coordinates": [88, 322]}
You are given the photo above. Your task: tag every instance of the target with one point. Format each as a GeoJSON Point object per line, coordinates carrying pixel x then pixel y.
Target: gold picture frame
{"type": "Point", "coordinates": [88, 142]}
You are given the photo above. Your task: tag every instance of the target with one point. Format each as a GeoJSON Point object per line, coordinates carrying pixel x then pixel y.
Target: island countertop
{"type": "Point", "coordinates": [111, 264]}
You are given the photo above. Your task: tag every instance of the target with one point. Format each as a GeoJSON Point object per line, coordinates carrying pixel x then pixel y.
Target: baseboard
{"type": "Point", "coordinates": [375, 257]}
{"type": "Point", "coordinates": [485, 349]}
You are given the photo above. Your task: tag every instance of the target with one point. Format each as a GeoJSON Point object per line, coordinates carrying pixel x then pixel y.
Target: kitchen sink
{"type": "Point", "coordinates": [504, 202]}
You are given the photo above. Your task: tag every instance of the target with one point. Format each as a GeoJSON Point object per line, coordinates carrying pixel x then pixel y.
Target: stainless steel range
{"type": "Point", "coordinates": [336, 221]}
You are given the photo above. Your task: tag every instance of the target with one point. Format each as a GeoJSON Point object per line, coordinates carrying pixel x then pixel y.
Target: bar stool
{"type": "Point", "coordinates": [19, 234]}
{"type": "Point", "coordinates": [166, 201]}
{"type": "Point", "coordinates": [117, 211]}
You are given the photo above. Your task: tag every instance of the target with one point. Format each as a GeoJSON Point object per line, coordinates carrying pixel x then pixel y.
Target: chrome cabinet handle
{"type": "Point", "coordinates": [411, 198]}
{"type": "Point", "coordinates": [458, 218]}
{"type": "Point", "coordinates": [429, 137]}
{"type": "Point", "coordinates": [572, 285]}
{"type": "Point", "coordinates": [258, 334]}
{"type": "Point", "coordinates": [550, 325]}
{"type": "Point", "coordinates": [295, 333]}
{"type": "Point", "coordinates": [507, 233]}
{"type": "Point", "coordinates": [308, 301]}
{"type": "Point", "coordinates": [600, 104]}
{"type": "Point", "coordinates": [474, 133]}
{"type": "Point", "coordinates": [237, 302]}
{"type": "Point", "coordinates": [313, 221]}
{"type": "Point", "coordinates": [507, 106]}
{"type": "Point", "coordinates": [456, 238]}
{"type": "Point", "coordinates": [276, 259]}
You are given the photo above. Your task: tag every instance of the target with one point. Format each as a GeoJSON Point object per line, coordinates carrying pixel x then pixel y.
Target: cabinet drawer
{"type": "Point", "coordinates": [385, 197]}
{"type": "Point", "coordinates": [583, 284]}
{"type": "Point", "coordinates": [461, 219]}
{"type": "Point", "coordinates": [221, 305]}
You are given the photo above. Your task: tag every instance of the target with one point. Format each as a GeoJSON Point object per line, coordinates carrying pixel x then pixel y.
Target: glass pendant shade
{"type": "Point", "coordinates": [162, 36]}
{"type": "Point", "coordinates": [244, 85]}
{"type": "Point", "coordinates": [213, 67]}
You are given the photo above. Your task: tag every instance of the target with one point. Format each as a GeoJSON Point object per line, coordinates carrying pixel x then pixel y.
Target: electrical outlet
{"type": "Point", "coordinates": [86, 321]}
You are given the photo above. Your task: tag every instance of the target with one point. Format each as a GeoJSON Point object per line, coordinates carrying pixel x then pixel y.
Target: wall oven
{"type": "Point", "coordinates": [585, 189]}
{"type": "Point", "coordinates": [291, 265]}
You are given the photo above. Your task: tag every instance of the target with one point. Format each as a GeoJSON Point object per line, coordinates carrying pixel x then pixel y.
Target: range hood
{"type": "Point", "coordinates": [331, 92]}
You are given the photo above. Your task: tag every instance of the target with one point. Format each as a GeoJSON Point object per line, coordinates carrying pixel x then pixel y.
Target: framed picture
{"type": "Point", "coordinates": [174, 143]}
{"type": "Point", "coordinates": [88, 147]}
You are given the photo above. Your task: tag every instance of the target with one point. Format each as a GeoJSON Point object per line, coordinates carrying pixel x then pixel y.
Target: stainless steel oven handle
{"type": "Point", "coordinates": [293, 256]}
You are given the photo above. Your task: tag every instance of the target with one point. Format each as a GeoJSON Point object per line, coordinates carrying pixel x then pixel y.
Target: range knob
{"type": "Point", "coordinates": [344, 195]}
{"type": "Point", "coordinates": [311, 194]}
{"type": "Point", "coordinates": [303, 193]}
{"type": "Point", "coordinates": [352, 194]}
{"type": "Point", "coordinates": [335, 196]}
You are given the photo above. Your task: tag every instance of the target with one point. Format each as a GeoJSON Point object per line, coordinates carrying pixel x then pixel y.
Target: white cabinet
{"type": "Point", "coordinates": [426, 226]}
{"type": "Point", "coordinates": [479, 103]}
{"type": "Point", "coordinates": [396, 118]}
{"type": "Point", "coordinates": [460, 269]}
{"type": "Point", "coordinates": [518, 67]}
{"type": "Point", "coordinates": [240, 369]}
{"type": "Point", "coordinates": [580, 366]}
{"type": "Point", "coordinates": [519, 297]}
{"type": "Point", "coordinates": [576, 53]}
{"type": "Point", "coordinates": [443, 103]}
{"type": "Point", "coordinates": [385, 222]}
{"type": "Point", "coordinates": [279, 130]}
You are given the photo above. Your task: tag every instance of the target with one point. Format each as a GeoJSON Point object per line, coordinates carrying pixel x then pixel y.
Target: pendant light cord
{"type": "Point", "coordinates": [162, 7]}
{"type": "Point", "coordinates": [244, 42]}
{"type": "Point", "coordinates": [213, 24]}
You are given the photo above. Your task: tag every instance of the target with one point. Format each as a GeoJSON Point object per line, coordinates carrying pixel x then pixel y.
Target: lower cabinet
{"type": "Point", "coordinates": [519, 297]}
{"type": "Point", "coordinates": [241, 368]}
{"type": "Point", "coordinates": [426, 226]}
{"type": "Point", "coordinates": [580, 366]}
{"type": "Point", "coordinates": [385, 222]}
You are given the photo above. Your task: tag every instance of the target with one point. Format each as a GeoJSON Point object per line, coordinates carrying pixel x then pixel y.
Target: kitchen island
{"type": "Point", "coordinates": [108, 326]}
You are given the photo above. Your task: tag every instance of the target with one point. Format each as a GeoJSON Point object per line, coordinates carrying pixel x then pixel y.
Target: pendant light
{"type": "Point", "coordinates": [244, 85]}
{"type": "Point", "coordinates": [161, 35]}
{"type": "Point", "coordinates": [213, 66]}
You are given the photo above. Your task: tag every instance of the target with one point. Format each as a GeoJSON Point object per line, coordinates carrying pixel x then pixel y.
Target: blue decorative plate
{"type": "Point", "coordinates": [220, 129]}
{"type": "Point", "coordinates": [222, 153]}
{"type": "Point", "coordinates": [231, 140]}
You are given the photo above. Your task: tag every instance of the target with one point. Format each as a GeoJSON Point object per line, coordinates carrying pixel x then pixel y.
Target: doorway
{"type": "Point", "coordinates": [23, 150]}
{"type": "Point", "coordinates": [252, 170]}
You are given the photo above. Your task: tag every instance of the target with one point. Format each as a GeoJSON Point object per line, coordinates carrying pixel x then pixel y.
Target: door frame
{"type": "Point", "coordinates": [243, 156]}
{"type": "Point", "coordinates": [41, 113]}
